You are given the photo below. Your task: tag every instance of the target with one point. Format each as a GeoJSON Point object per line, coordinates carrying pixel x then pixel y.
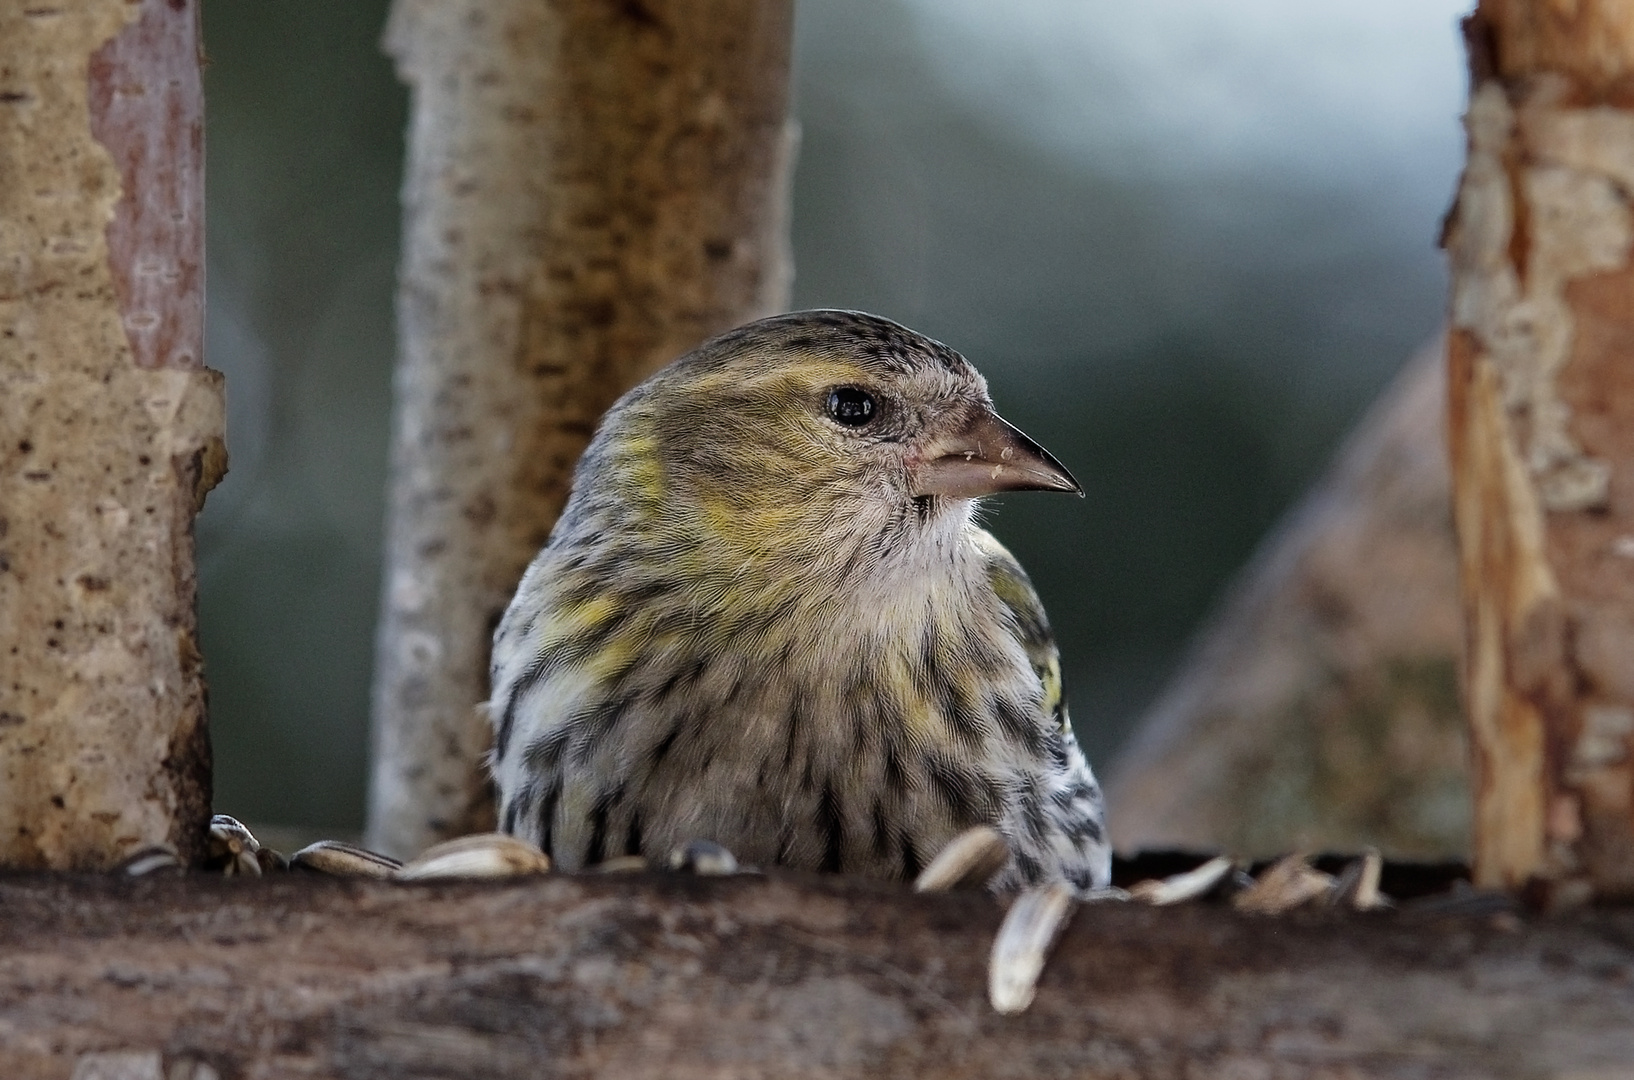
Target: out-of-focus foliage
{"type": "Point", "coordinates": [1186, 295]}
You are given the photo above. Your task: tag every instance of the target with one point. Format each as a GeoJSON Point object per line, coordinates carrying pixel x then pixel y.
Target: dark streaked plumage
{"type": "Point", "coordinates": [766, 619]}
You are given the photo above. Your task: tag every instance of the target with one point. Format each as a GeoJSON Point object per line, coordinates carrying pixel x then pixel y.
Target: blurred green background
{"type": "Point", "coordinates": [1187, 245]}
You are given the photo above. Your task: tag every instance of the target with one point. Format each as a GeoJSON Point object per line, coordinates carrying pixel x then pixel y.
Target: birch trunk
{"type": "Point", "coordinates": [110, 431]}
{"type": "Point", "coordinates": [591, 190]}
{"type": "Point", "coordinates": [1541, 412]}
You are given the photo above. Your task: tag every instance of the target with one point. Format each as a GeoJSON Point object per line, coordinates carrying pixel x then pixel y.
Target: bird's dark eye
{"type": "Point", "coordinates": [850, 406]}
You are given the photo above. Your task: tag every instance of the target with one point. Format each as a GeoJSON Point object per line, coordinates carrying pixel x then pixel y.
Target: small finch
{"type": "Point", "coordinates": [767, 619]}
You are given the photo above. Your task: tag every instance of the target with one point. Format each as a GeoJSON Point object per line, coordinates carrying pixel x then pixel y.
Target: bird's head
{"type": "Point", "coordinates": [827, 423]}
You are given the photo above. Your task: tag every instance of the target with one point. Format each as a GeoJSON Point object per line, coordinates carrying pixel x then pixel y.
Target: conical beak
{"type": "Point", "coordinates": [988, 456]}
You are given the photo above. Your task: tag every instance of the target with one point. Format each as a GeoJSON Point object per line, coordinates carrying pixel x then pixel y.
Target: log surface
{"type": "Point", "coordinates": [673, 976]}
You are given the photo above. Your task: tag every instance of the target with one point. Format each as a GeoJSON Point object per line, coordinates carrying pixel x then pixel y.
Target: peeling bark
{"type": "Point", "coordinates": [592, 189]}
{"type": "Point", "coordinates": [1541, 416]}
{"type": "Point", "coordinates": [111, 431]}
{"type": "Point", "coordinates": [790, 976]}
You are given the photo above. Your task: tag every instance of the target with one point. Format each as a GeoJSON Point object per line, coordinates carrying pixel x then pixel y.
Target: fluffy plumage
{"type": "Point", "coordinates": [766, 618]}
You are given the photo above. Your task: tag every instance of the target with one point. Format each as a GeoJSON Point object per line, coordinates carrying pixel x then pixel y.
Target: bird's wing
{"type": "Point", "coordinates": [1058, 829]}
{"type": "Point", "coordinates": [1031, 627]}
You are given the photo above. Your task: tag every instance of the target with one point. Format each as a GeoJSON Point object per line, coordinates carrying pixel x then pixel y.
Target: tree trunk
{"type": "Point", "coordinates": [592, 189]}
{"type": "Point", "coordinates": [788, 976]}
{"type": "Point", "coordinates": [1541, 414]}
{"type": "Point", "coordinates": [1319, 709]}
{"type": "Point", "coordinates": [110, 431]}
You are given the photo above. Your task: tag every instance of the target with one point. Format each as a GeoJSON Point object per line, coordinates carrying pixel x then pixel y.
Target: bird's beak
{"type": "Point", "coordinates": [987, 456]}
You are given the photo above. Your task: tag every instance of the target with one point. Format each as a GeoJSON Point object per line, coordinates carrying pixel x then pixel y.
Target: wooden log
{"type": "Point", "coordinates": [110, 431]}
{"type": "Point", "coordinates": [592, 189]}
{"type": "Point", "coordinates": [672, 976]}
{"type": "Point", "coordinates": [1541, 415]}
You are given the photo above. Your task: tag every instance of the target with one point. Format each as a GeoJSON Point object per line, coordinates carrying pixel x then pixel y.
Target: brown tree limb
{"type": "Point", "coordinates": [1319, 707]}
{"type": "Point", "coordinates": [110, 431]}
{"type": "Point", "coordinates": [592, 189]}
{"type": "Point", "coordinates": [670, 976]}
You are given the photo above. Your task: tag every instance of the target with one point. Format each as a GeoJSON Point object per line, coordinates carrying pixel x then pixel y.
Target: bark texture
{"type": "Point", "coordinates": [787, 976]}
{"type": "Point", "coordinates": [1541, 415]}
{"type": "Point", "coordinates": [592, 189]}
{"type": "Point", "coordinates": [1319, 709]}
{"type": "Point", "coordinates": [110, 431]}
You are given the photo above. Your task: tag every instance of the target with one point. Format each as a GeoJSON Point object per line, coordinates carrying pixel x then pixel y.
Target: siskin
{"type": "Point", "coordinates": [767, 618]}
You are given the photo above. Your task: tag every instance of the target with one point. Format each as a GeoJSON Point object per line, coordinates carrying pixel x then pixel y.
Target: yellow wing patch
{"type": "Point", "coordinates": [1032, 627]}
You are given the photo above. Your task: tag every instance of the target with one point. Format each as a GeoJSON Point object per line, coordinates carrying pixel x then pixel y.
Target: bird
{"type": "Point", "coordinates": [767, 618]}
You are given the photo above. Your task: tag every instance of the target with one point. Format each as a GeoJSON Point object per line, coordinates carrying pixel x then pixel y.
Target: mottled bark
{"type": "Point", "coordinates": [110, 431]}
{"type": "Point", "coordinates": [1319, 709]}
{"type": "Point", "coordinates": [592, 189]}
{"type": "Point", "coordinates": [1541, 416]}
{"type": "Point", "coordinates": [790, 977]}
